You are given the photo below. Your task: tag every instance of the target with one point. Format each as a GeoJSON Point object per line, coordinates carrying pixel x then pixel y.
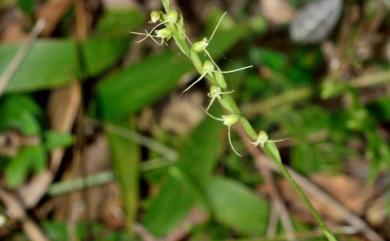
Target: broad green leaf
{"type": "Point", "coordinates": [178, 195]}
{"type": "Point", "coordinates": [111, 39]}
{"type": "Point", "coordinates": [49, 64]}
{"type": "Point", "coordinates": [102, 53]}
{"type": "Point", "coordinates": [118, 22]}
{"type": "Point", "coordinates": [139, 85]}
{"type": "Point", "coordinates": [169, 207]}
{"type": "Point", "coordinates": [236, 206]}
{"type": "Point", "coordinates": [198, 157]}
{"type": "Point", "coordinates": [53, 139]}
{"type": "Point", "coordinates": [125, 160]}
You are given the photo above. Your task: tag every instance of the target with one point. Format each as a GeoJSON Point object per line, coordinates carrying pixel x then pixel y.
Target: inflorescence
{"type": "Point", "coordinates": [170, 25]}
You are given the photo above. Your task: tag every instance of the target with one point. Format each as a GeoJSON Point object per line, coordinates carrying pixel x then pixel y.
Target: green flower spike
{"type": "Point", "coordinates": [216, 93]}
{"type": "Point", "coordinates": [262, 139]}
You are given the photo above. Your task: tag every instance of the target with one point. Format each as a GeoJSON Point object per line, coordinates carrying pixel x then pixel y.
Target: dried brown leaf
{"type": "Point", "coordinates": [182, 114]}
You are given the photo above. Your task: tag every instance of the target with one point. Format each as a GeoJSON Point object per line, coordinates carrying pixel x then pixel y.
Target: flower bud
{"type": "Point", "coordinates": [230, 120]}
{"type": "Point", "coordinates": [196, 61]}
{"type": "Point", "coordinates": [215, 92]}
{"type": "Point", "coordinates": [155, 16]}
{"type": "Point", "coordinates": [220, 80]}
{"type": "Point", "coordinates": [172, 16]}
{"type": "Point", "coordinates": [262, 138]}
{"type": "Point", "coordinates": [208, 67]}
{"type": "Point", "coordinates": [164, 34]}
{"type": "Point", "coordinates": [200, 46]}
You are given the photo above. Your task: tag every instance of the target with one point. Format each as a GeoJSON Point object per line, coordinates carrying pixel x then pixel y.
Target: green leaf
{"type": "Point", "coordinates": [169, 207]}
{"type": "Point", "coordinates": [101, 53]}
{"type": "Point", "coordinates": [17, 169]}
{"type": "Point", "coordinates": [29, 158]}
{"type": "Point", "coordinates": [55, 230]}
{"type": "Point", "coordinates": [380, 109]}
{"type": "Point", "coordinates": [139, 85]}
{"type": "Point", "coordinates": [53, 139]}
{"type": "Point", "coordinates": [237, 207]}
{"type": "Point", "coordinates": [270, 58]}
{"type": "Point", "coordinates": [118, 22]}
{"type": "Point", "coordinates": [38, 158]}
{"type": "Point", "coordinates": [181, 191]}
{"type": "Point", "coordinates": [49, 64]}
{"type": "Point", "coordinates": [20, 112]}
{"type": "Point", "coordinates": [199, 154]}
{"type": "Point", "coordinates": [125, 160]}
{"type": "Point", "coordinates": [27, 5]}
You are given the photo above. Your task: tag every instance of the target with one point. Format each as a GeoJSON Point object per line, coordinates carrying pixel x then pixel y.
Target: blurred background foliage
{"type": "Point", "coordinates": [95, 143]}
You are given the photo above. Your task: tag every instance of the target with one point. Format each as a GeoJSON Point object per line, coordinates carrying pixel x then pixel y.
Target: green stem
{"type": "Point", "coordinates": [101, 178]}
{"type": "Point", "coordinates": [271, 150]}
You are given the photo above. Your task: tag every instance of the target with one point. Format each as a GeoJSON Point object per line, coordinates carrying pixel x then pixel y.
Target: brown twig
{"type": "Point", "coordinates": [144, 234]}
{"type": "Point", "coordinates": [15, 210]}
{"type": "Point", "coordinates": [311, 188]}
{"type": "Point", "coordinates": [20, 55]}
{"type": "Point", "coordinates": [273, 222]}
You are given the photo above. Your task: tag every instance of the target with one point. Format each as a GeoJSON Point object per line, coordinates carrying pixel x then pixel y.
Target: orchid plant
{"type": "Point", "coordinates": [170, 25]}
